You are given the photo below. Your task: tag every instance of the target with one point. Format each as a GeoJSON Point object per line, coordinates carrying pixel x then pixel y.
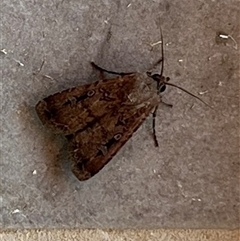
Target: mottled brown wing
{"type": "Point", "coordinates": [98, 119]}
{"type": "Point", "coordinates": [92, 149]}
{"type": "Point", "coordinates": [78, 108]}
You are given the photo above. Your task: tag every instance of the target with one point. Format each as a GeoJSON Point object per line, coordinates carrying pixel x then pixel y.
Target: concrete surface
{"type": "Point", "coordinates": [190, 181]}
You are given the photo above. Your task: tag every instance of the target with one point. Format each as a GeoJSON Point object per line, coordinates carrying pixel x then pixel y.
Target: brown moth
{"type": "Point", "coordinates": [97, 119]}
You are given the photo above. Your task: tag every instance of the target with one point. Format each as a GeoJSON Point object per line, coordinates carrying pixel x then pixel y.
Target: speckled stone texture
{"type": "Point", "coordinates": [190, 181]}
{"type": "Point", "coordinates": [119, 235]}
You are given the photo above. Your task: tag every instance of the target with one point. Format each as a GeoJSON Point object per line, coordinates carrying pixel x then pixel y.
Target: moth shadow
{"type": "Point", "coordinates": [47, 147]}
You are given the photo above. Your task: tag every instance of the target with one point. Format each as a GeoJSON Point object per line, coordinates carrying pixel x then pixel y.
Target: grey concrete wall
{"type": "Point", "coordinates": [191, 180]}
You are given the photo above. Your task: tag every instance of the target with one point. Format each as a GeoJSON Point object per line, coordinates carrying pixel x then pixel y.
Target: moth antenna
{"type": "Point", "coordinates": [162, 62]}
{"type": "Point", "coordinates": [176, 86]}
{"type": "Point", "coordinates": [167, 83]}
{"type": "Point", "coordinates": [158, 91]}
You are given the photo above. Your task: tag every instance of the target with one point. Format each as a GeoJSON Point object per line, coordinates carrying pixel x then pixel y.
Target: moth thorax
{"type": "Point", "coordinates": [145, 83]}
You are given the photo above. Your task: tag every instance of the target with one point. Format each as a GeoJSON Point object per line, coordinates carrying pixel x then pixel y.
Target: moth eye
{"type": "Point", "coordinates": [90, 93]}
{"type": "Point", "coordinates": [163, 88]}
{"type": "Point", "coordinates": [117, 136]}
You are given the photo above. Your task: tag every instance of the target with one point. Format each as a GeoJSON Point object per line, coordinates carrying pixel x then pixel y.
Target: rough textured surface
{"type": "Point", "coordinates": [119, 235]}
{"type": "Point", "coordinates": [191, 180]}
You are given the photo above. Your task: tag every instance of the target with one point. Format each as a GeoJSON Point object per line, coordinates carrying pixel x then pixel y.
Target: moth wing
{"type": "Point", "coordinates": [92, 149]}
{"type": "Point", "coordinates": [77, 108]}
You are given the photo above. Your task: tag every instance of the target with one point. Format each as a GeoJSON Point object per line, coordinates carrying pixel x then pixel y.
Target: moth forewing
{"type": "Point", "coordinates": [114, 129]}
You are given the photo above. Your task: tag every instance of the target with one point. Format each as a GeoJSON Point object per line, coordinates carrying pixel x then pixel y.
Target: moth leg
{"type": "Point", "coordinates": [168, 105]}
{"type": "Point", "coordinates": [99, 69]}
{"type": "Point", "coordinates": [108, 71]}
{"type": "Point", "coordinates": [149, 72]}
{"type": "Point", "coordinates": [157, 63]}
{"type": "Point", "coordinates": [154, 122]}
{"type": "Point", "coordinates": [153, 126]}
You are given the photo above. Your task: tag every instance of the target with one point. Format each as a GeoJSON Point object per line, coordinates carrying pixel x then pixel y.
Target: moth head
{"type": "Point", "coordinates": [161, 81]}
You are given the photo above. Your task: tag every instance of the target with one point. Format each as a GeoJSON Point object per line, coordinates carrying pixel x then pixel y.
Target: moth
{"type": "Point", "coordinates": [97, 119]}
